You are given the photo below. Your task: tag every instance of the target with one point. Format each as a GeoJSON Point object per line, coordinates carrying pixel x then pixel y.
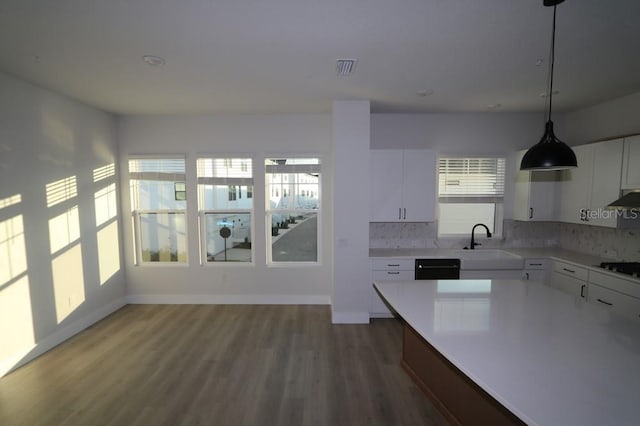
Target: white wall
{"type": "Point", "coordinates": [617, 117]}
{"type": "Point", "coordinates": [352, 276]}
{"type": "Point", "coordinates": [48, 295]}
{"type": "Point", "coordinates": [459, 133]}
{"type": "Point", "coordinates": [257, 136]}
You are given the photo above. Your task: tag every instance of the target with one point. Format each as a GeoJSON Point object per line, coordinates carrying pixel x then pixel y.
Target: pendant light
{"type": "Point", "coordinates": [550, 153]}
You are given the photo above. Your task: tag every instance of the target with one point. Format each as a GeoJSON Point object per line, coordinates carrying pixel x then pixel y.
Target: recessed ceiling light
{"type": "Point", "coordinates": [494, 106]}
{"type": "Point", "coordinates": [546, 95]}
{"type": "Point", "coordinates": [424, 92]}
{"type": "Point", "coordinates": [154, 61]}
{"type": "Point", "coordinates": [345, 67]}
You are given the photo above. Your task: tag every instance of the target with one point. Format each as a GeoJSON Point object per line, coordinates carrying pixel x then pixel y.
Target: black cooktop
{"type": "Point", "coordinates": [629, 268]}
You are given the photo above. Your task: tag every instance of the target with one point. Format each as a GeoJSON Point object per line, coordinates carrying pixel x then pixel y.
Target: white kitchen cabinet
{"type": "Point", "coordinates": [536, 270]}
{"type": "Point", "coordinates": [403, 185]}
{"type": "Point", "coordinates": [535, 194]}
{"type": "Point", "coordinates": [389, 269]}
{"type": "Point", "coordinates": [631, 163]}
{"type": "Point", "coordinates": [621, 295]}
{"type": "Point", "coordinates": [586, 190]}
{"type": "Point", "coordinates": [569, 278]}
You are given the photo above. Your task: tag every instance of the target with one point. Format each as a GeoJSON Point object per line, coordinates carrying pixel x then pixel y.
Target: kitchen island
{"type": "Point", "coordinates": [533, 353]}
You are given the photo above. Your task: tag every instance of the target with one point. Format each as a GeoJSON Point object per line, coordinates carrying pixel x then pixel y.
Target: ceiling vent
{"type": "Point", "coordinates": [345, 67]}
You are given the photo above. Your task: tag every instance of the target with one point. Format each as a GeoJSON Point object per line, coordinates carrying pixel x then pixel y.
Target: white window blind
{"type": "Point", "coordinates": [162, 169]}
{"type": "Point", "coordinates": [471, 179]}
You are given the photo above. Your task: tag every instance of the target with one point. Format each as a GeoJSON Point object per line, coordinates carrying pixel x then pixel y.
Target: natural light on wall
{"type": "Point", "coordinates": [106, 207]}
{"type": "Point", "coordinates": [64, 229]}
{"type": "Point", "coordinates": [61, 191]}
{"type": "Point", "coordinates": [64, 236]}
{"type": "Point", "coordinates": [68, 281]}
{"type": "Point", "coordinates": [15, 298]}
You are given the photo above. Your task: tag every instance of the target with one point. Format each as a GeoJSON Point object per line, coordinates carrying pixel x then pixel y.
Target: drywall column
{"type": "Point", "coordinates": [351, 273]}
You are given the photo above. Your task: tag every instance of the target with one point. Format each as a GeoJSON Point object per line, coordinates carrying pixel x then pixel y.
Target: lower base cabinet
{"type": "Point", "coordinates": [457, 397]}
{"type": "Point", "coordinates": [617, 294]}
{"type": "Point", "coordinates": [569, 278]}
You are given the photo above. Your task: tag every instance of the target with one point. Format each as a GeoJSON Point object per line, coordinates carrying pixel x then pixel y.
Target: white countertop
{"type": "Point", "coordinates": [547, 356]}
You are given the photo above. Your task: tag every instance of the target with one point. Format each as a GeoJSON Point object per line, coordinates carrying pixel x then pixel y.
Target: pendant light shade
{"type": "Point", "coordinates": [550, 153]}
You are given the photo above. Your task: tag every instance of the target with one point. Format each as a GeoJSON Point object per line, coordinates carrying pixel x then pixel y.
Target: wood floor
{"type": "Point", "coordinates": [219, 365]}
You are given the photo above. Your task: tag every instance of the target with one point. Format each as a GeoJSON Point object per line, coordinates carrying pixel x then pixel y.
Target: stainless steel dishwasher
{"type": "Point", "coordinates": [437, 269]}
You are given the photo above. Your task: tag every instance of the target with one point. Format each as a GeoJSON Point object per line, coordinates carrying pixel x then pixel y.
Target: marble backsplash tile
{"type": "Point", "coordinates": [618, 244]}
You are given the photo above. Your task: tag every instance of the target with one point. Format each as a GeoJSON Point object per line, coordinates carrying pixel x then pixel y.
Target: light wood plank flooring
{"type": "Point", "coordinates": [219, 365]}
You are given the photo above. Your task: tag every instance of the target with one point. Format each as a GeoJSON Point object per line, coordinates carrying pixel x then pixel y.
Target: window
{"type": "Point", "coordinates": [158, 203]}
{"type": "Point", "coordinates": [293, 217]}
{"type": "Point", "coordinates": [226, 216]}
{"type": "Point", "coordinates": [470, 191]}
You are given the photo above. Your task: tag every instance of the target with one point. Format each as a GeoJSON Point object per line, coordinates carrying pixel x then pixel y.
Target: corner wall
{"type": "Point", "coordinates": [60, 263]}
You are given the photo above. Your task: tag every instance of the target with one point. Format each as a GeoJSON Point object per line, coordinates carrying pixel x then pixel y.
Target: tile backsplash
{"type": "Point", "coordinates": [618, 244]}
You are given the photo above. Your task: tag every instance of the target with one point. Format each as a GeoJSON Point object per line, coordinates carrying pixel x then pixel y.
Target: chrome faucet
{"type": "Point", "coordinates": [473, 242]}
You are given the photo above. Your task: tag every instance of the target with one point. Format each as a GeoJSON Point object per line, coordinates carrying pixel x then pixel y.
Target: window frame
{"type": "Point", "coordinates": [247, 165]}
{"type": "Point", "coordinates": [496, 199]}
{"type": "Point", "coordinates": [136, 213]}
{"type": "Point", "coordinates": [268, 211]}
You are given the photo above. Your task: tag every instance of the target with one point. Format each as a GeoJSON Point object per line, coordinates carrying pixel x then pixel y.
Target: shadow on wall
{"type": "Point", "coordinates": [67, 235]}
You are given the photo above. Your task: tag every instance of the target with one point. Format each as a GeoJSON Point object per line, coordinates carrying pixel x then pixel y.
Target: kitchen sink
{"type": "Point", "coordinates": [488, 259]}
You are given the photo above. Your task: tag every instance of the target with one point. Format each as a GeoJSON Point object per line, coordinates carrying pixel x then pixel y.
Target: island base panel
{"type": "Point", "coordinates": [457, 397]}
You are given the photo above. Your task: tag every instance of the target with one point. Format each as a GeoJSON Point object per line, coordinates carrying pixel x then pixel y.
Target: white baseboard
{"type": "Point", "coordinates": [226, 299]}
{"type": "Point", "coordinates": [59, 336]}
{"type": "Point", "coordinates": [350, 317]}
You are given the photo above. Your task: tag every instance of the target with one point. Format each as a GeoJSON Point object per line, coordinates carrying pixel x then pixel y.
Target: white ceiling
{"type": "Point", "coordinates": [274, 56]}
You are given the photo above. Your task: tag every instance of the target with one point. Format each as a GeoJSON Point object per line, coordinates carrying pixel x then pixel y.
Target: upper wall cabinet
{"type": "Point", "coordinates": [631, 163]}
{"type": "Point", "coordinates": [403, 185]}
{"type": "Point", "coordinates": [535, 194]}
{"type": "Point", "coordinates": [586, 190]}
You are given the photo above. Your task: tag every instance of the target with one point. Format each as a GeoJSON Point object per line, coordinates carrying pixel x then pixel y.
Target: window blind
{"type": "Point", "coordinates": [475, 179]}
{"type": "Point", "coordinates": [161, 169]}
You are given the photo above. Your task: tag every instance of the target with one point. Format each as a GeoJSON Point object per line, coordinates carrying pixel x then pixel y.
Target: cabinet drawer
{"type": "Point", "coordinates": [393, 275]}
{"type": "Point", "coordinates": [394, 265]}
{"type": "Point", "coordinates": [535, 263]}
{"type": "Point", "coordinates": [617, 302]}
{"type": "Point", "coordinates": [614, 283]}
{"type": "Point", "coordinates": [571, 270]}
{"type": "Point", "coordinates": [569, 284]}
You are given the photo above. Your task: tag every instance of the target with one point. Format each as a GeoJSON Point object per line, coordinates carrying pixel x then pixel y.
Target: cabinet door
{"type": "Point", "coordinates": [575, 186]}
{"type": "Point", "coordinates": [538, 275]}
{"type": "Point", "coordinates": [535, 194]}
{"type": "Point", "coordinates": [419, 185]}
{"type": "Point", "coordinates": [569, 284]}
{"type": "Point", "coordinates": [385, 201]}
{"type": "Point", "coordinates": [631, 163]}
{"type": "Point", "coordinates": [522, 191]}
{"type": "Point", "coordinates": [605, 187]}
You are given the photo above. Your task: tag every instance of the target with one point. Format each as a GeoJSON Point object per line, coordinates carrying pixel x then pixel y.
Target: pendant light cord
{"type": "Point", "coordinates": [553, 49]}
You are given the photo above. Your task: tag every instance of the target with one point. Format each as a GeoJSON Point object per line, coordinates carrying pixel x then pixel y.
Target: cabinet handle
{"type": "Point", "coordinates": [526, 276]}
{"type": "Point", "coordinates": [606, 303]}
{"type": "Point", "coordinates": [535, 264]}
{"type": "Point", "coordinates": [569, 270]}
{"type": "Point", "coordinates": [399, 212]}
{"type": "Point", "coordinates": [394, 264]}
{"type": "Point", "coordinates": [582, 290]}
{"type": "Point", "coordinates": [530, 212]}
{"type": "Point", "coordinates": [405, 213]}
{"type": "Point", "coordinates": [393, 273]}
